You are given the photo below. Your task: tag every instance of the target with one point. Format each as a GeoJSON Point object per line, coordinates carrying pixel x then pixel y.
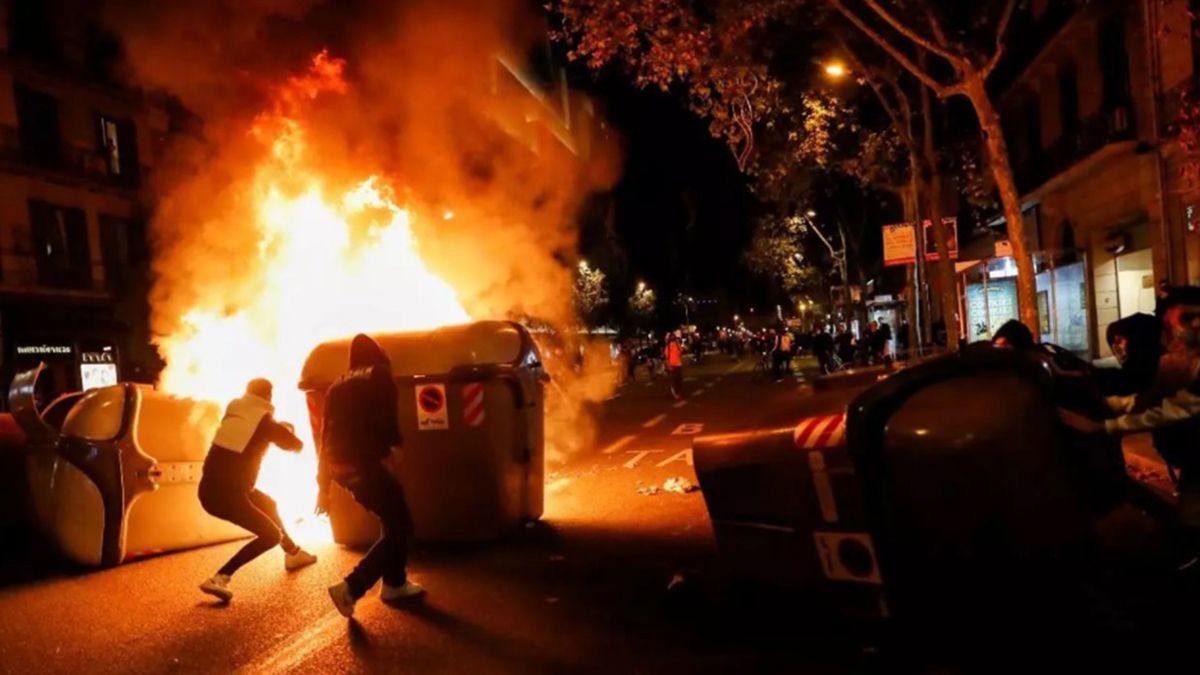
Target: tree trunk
{"type": "Point", "coordinates": [948, 288]}
{"type": "Point", "coordinates": [912, 213]}
{"type": "Point", "coordinates": [993, 134]}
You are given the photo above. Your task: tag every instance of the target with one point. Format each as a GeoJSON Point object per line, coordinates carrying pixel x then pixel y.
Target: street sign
{"type": "Point", "coordinates": [900, 243]}
{"type": "Point", "coordinates": [431, 407]}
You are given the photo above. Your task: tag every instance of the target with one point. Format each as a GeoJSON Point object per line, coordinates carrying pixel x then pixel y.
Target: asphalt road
{"type": "Point", "coordinates": [613, 579]}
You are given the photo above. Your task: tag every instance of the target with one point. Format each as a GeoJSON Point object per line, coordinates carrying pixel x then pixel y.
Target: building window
{"type": "Point", "coordinates": [61, 243]}
{"type": "Point", "coordinates": [1114, 64]}
{"type": "Point", "coordinates": [118, 147]}
{"type": "Point", "coordinates": [40, 134]}
{"type": "Point", "coordinates": [123, 247]}
{"type": "Point", "coordinates": [1033, 128]}
{"type": "Point", "coordinates": [1068, 101]}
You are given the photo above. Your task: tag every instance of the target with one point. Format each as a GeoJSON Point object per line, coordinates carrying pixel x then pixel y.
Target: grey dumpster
{"type": "Point", "coordinates": [471, 413]}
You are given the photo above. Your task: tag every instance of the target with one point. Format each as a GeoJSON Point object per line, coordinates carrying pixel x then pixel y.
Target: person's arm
{"type": "Point", "coordinates": [1183, 405]}
{"type": "Point", "coordinates": [388, 413]}
{"type": "Point", "coordinates": [281, 434]}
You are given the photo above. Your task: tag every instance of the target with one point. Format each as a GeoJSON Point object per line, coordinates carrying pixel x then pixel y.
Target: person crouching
{"type": "Point", "coordinates": [227, 485]}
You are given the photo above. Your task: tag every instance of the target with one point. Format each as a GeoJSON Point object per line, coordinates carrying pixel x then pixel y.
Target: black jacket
{"type": "Point", "coordinates": [360, 421]}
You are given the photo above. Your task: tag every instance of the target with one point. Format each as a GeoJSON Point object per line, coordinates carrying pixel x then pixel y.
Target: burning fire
{"type": "Point", "coordinates": [329, 263]}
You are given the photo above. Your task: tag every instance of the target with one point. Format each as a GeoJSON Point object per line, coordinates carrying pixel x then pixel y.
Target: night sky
{"type": "Point", "coordinates": [683, 210]}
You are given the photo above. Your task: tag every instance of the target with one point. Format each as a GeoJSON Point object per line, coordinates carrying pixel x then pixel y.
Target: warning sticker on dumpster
{"type": "Point", "coordinates": [431, 407]}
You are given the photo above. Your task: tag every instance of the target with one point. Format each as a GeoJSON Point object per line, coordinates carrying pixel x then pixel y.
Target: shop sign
{"type": "Point", "coordinates": [44, 350]}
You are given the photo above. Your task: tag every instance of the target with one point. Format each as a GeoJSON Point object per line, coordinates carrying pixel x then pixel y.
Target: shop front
{"type": "Point", "coordinates": [990, 298]}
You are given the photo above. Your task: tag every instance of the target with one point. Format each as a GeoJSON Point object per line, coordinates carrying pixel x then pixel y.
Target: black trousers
{"type": "Point", "coordinates": [253, 511]}
{"type": "Point", "coordinates": [380, 493]}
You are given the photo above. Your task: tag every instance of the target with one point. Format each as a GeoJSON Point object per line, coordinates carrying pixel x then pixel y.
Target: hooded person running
{"type": "Point", "coordinates": [227, 485]}
{"type": "Point", "coordinates": [359, 430]}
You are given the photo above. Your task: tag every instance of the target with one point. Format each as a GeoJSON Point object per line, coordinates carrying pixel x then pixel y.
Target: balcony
{"type": "Point", "coordinates": [1106, 127]}
{"type": "Point", "coordinates": [81, 167]}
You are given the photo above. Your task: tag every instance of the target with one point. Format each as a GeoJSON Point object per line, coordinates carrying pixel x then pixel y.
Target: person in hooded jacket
{"type": "Point", "coordinates": [227, 484]}
{"type": "Point", "coordinates": [359, 430]}
{"type": "Point", "coordinates": [1137, 343]}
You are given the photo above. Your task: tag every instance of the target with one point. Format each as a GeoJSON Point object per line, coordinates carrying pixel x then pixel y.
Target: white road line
{"type": "Point", "coordinates": [680, 404]}
{"type": "Point", "coordinates": [638, 455]}
{"type": "Point", "coordinates": [618, 444]}
{"type": "Point", "coordinates": [324, 632]}
{"type": "Point", "coordinates": [654, 422]}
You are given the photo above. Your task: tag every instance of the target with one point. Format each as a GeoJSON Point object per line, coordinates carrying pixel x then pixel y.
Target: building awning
{"type": "Point", "coordinates": [964, 265]}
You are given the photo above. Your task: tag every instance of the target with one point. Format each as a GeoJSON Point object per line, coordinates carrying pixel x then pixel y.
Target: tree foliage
{"type": "Point", "coordinates": [778, 253]}
{"type": "Point", "coordinates": [591, 291]}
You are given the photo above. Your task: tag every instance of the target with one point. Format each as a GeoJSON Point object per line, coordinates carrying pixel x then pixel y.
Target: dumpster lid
{"type": "Point", "coordinates": [431, 352]}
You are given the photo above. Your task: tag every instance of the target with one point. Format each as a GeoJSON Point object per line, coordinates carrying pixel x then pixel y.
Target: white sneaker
{"type": "Point", "coordinates": [395, 593]}
{"type": "Point", "coordinates": [218, 587]}
{"type": "Point", "coordinates": [342, 599]}
{"type": "Point", "coordinates": [301, 558]}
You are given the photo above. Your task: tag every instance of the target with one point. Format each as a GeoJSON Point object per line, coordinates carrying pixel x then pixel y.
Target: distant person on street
{"type": "Point", "coordinates": [845, 344]}
{"type": "Point", "coordinates": [1013, 335]}
{"type": "Point", "coordinates": [823, 349]}
{"type": "Point", "coordinates": [1173, 420]}
{"type": "Point", "coordinates": [674, 356]}
{"type": "Point", "coordinates": [885, 344]}
{"type": "Point", "coordinates": [227, 483]}
{"type": "Point", "coordinates": [360, 428]}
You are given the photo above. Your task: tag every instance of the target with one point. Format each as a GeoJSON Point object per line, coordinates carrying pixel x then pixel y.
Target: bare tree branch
{"type": "Point", "coordinates": [935, 25]}
{"type": "Point", "coordinates": [1001, 30]}
{"type": "Point", "coordinates": [938, 88]}
{"type": "Point", "coordinates": [873, 79]}
{"type": "Point", "coordinates": [918, 39]}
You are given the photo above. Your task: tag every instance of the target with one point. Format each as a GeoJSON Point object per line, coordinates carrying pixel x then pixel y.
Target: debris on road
{"type": "Point", "coordinates": [679, 485]}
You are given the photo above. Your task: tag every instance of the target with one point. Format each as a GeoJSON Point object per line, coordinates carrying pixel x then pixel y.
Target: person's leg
{"type": "Point", "coordinates": [241, 512]}
{"type": "Point", "coordinates": [379, 493]}
{"type": "Point", "coordinates": [264, 503]}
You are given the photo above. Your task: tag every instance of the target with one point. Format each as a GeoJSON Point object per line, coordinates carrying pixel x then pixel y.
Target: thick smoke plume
{"type": "Point", "coordinates": [428, 107]}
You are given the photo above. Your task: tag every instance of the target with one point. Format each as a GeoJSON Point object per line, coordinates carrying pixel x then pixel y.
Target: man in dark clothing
{"type": "Point", "coordinates": [359, 430]}
{"type": "Point", "coordinates": [1173, 419]}
{"type": "Point", "coordinates": [227, 484]}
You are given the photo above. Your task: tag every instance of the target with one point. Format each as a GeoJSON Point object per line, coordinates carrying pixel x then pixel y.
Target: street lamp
{"type": "Point", "coordinates": [641, 286]}
{"type": "Point", "coordinates": [836, 70]}
{"type": "Point", "coordinates": [583, 265]}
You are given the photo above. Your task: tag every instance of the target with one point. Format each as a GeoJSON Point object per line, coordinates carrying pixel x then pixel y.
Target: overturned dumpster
{"type": "Point", "coordinates": [935, 486]}
{"type": "Point", "coordinates": [113, 473]}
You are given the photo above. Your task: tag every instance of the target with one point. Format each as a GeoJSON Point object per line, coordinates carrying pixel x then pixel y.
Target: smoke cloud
{"type": "Point", "coordinates": [429, 107]}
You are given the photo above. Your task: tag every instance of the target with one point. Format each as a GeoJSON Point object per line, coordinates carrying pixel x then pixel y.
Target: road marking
{"type": "Point", "coordinates": [690, 429]}
{"type": "Point", "coordinates": [638, 456]}
{"type": "Point", "coordinates": [680, 404]}
{"type": "Point", "coordinates": [654, 421]}
{"type": "Point", "coordinates": [618, 444]}
{"type": "Point", "coordinates": [681, 456]}
{"type": "Point", "coordinates": [304, 645]}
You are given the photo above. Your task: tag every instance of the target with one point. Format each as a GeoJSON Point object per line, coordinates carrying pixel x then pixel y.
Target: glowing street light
{"type": "Point", "coordinates": [641, 286]}
{"type": "Point", "coordinates": [811, 214]}
{"type": "Point", "coordinates": [836, 70]}
{"type": "Point", "coordinates": [583, 265]}
{"type": "Point", "coordinates": [447, 215]}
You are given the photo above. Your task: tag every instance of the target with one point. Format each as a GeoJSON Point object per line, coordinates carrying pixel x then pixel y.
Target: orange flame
{"type": "Point", "coordinates": [328, 264]}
